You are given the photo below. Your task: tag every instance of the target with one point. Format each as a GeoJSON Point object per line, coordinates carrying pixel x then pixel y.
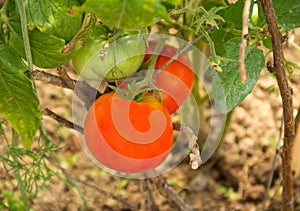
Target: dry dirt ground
{"type": "Point", "coordinates": [235, 178]}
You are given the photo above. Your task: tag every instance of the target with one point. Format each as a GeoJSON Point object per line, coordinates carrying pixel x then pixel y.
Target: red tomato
{"type": "Point", "coordinates": [168, 51]}
{"type": "Point", "coordinates": [126, 135]}
{"type": "Point", "coordinates": [176, 80]}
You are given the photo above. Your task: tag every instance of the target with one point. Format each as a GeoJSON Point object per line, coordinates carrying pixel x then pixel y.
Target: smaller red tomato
{"type": "Point", "coordinates": [176, 80]}
{"type": "Point", "coordinates": [168, 51]}
{"type": "Point", "coordinates": [126, 135]}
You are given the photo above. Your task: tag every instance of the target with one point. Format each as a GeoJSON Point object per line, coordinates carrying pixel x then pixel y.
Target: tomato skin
{"type": "Point", "coordinates": [111, 61]}
{"type": "Point", "coordinates": [125, 151]}
{"type": "Point", "coordinates": [176, 80]}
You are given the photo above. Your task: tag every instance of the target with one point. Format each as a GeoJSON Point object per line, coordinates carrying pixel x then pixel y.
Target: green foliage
{"type": "Point", "coordinates": [287, 13]}
{"type": "Point", "coordinates": [33, 166]}
{"type": "Point", "coordinates": [233, 15]}
{"type": "Point", "coordinates": [131, 14]}
{"type": "Point", "coordinates": [51, 25]}
{"type": "Point", "coordinates": [18, 101]}
{"type": "Point", "coordinates": [11, 202]}
{"type": "Point", "coordinates": [58, 18]}
{"type": "Point", "coordinates": [227, 89]}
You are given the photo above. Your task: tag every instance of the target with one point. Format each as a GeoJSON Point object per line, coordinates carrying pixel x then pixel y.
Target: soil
{"type": "Point", "coordinates": [234, 178]}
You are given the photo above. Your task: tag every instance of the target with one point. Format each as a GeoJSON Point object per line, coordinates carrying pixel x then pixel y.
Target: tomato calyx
{"type": "Point", "coordinates": [135, 89]}
{"type": "Point", "coordinates": [142, 82]}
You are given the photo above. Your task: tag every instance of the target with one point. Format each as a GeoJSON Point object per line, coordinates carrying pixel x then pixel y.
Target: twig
{"type": "Point", "coordinates": [49, 79]}
{"type": "Point", "coordinates": [189, 45]}
{"type": "Point", "coordinates": [287, 101]}
{"type": "Point", "coordinates": [168, 192]}
{"type": "Point", "coordinates": [62, 120]}
{"type": "Point", "coordinates": [271, 175]}
{"type": "Point", "coordinates": [66, 78]}
{"type": "Point", "coordinates": [245, 38]}
{"type": "Point", "coordinates": [91, 185]}
{"type": "Point", "coordinates": [148, 196]}
{"type": "Point", "coordinates": [69, 47]}
{"type": "Point", "coordinates": [195, 155]}
{"type": "Point", "coordinates": [107, 194]}
{"type": "Point", "coordinates": [82, 89]}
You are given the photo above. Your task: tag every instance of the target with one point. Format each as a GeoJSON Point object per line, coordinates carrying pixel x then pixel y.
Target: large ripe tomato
{"type": "Point", "coordinates": [112, 61]}
{"type": "Point", "coordinates": [126, 135]}
{"type": "Point", "coordinates": [176, 80]}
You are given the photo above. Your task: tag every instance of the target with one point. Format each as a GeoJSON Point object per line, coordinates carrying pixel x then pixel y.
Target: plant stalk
{"type": "Point", "coordinates": [25, 35]}
{"type": "Point", "coordinates": [287, 101]}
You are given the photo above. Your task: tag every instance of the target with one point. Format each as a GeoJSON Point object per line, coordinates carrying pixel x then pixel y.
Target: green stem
{"type": "Point", "coordinates": [25, 34]}
{"type": "Point", "coordinates": [211, 43]}
{"type": "Point", "coordinates": [294, 45]}
{"type": "Point", "coordinates": [15, 141]}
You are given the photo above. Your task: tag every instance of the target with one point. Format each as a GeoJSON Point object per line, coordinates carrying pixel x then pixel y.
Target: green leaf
{"type": "Point", "coordinates": [51, 25]}
{"type": "Point", "coordinates": [234, 14]}
{"type": "Point", "coordinates": [220, 37]}
{"type": "Point", "coordinates": [287, 13]}
{"type": "Point", "coordinates": [126, 14]}
{"type": "Point", "coordinates": [46, 49]}
{"type": "Point", "coordinates": [267, 42]}
{"type": "Point", "coordinates": [18, 102]}
{"type": "Point", "coordinates": [57, 18]}
{"type": "Point", "coordinates": [227, 89]}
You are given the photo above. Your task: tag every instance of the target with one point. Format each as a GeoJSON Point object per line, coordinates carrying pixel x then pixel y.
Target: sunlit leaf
{"type": "Point", "coordinates": [18, 102]}
{"type": "Point", "coordinates": [126, 14]}
{"type": "Point", "coordinates": [51, 24]}
{"type": "Point", "coordinates": [227, 89]}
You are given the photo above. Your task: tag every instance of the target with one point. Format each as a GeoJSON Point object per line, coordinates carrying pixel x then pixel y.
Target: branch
{"type": "Point", "coordinates": [245, 38]}
{"type": "Point", "coordinates": [168, 192]}
{"type": "Point", "coordinates": [49, 79]}
{"type": "Point", "coordinates": [287, 101]}
{"type": "Point", "coordinates": [82, 89]}
{"type": "Point", "coordinates": [62, 120]}
{"type": "Point", "coordinates": [69, 47]}
{"type": "Point", "coordinates": [66, 78]}
{"type": "Point", "coordinates": [146, 190]}
{"type": "Point", "coordinates": [195, 155]}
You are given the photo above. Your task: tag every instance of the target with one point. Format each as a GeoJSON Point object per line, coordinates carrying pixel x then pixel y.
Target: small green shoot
{"type": "Point", "coordinates": [228, 193]}
{"type": "Point", "coordinates": [122, 185]}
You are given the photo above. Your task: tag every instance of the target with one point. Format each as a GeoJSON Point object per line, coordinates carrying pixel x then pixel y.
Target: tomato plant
{"type": "Point", "coordinates": [49, 34]}
{"type": "Point", "coordinates": [128, 136]}
{"type": "Point", "coordinates": [176, 79]}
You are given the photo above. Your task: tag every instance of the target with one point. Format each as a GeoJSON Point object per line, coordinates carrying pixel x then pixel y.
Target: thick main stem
{"type": "Point", "coordinates": [287, 101]}
{"type": "Point", "coordinates": [25, 34]}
